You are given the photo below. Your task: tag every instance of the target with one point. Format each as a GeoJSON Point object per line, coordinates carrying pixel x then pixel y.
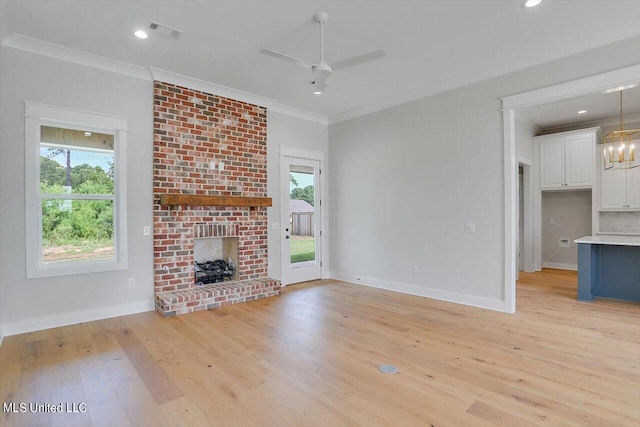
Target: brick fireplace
{"type": "Point", "coordinates": [208, 145]}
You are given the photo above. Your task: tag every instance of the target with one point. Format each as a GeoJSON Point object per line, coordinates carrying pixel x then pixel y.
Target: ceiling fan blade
{"type": "Point", "coordinates": [279, 55]}
{"type": "Point", "coordinates": [360, 59]}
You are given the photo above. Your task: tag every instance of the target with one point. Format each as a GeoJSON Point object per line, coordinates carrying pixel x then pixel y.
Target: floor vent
{"type": "Point", "coordinates": [389, 369]}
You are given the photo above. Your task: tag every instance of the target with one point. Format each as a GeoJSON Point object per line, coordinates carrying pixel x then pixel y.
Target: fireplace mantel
{"type": "Point", "coordinates": [201, 200]}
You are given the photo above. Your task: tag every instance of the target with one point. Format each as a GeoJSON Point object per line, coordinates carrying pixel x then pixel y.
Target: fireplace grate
{"type": "Point", "coordinates": [213, 271]}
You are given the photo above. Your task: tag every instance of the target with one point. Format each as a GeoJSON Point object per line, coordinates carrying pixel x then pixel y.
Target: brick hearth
{"type": "Point", "coordinates": [194, 133]}
{"type": "Point", "coordinates": [214, 295]}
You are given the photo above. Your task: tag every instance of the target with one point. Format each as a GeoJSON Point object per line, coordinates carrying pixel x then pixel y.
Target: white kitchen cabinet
{"type": "Point", "coordinates": [620, 189]}
{"type": "Point", "coordinates": [567, 159]}
{"type": "Point", "coordinates": [633, 188]}
{"type": "Point", "coordinates": [552, 163]}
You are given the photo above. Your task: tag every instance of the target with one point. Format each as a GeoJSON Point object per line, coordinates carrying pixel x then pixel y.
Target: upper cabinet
{"type": "Point", "coordinates": [567, 159]}
{"type": "Point", "coordinates": [619, 188]}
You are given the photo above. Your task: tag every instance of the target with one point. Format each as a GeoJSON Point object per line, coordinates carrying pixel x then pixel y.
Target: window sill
{"type": "Point", "coordinates": [55, 270]}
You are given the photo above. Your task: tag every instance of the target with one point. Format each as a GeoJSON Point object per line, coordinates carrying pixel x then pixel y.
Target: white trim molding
{"type": "Point", "coordinates": [438, 294]}
{"type": "Point", "coordinates": [301, 114]}
{"type": "Point", "coordinates": [227, 92]}
{"type": "Point", "coordinates": [37, 115]}
{"type": "Point", "coordinates": [612, 81]}
{"type": "Point", "coordinates": [560, 266]}
{"type": "Point", "coordinates": [74, 317]}
{"type": "Point", "coordinates": [208, 87]}
{"type": "Point", "coordinates": [321, 157]}
{"type": "Point", "coordinates": [63, 53]}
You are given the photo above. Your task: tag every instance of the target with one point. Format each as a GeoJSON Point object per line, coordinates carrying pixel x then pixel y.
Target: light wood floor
{"type": "Point", "coordinates": [310, 358]}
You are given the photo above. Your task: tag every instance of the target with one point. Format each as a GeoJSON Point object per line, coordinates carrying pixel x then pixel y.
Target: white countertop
{"type": "Point", "coordinates": [610, 240]}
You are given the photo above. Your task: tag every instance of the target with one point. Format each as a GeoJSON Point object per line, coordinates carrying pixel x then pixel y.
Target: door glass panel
{"type": "Point", "coordinates": [302, 214]}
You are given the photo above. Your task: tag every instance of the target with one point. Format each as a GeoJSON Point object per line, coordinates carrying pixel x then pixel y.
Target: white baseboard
{"type": "Point", "coordinates": [439, 294]}
{"type": "Point", "coordinates": [64, 319]}
{"type": "Point", "coordinates": [560, 266]}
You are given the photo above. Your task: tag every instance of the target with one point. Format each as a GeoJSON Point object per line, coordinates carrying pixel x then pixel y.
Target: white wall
{"type": "Point", "coordinates": [404, 182]}
{"type": "Point", "coordinates": [565, 214]}
{"type": "Point", "coordinates": [41, 303]}
{"type": "Point", "coordinates": [287, 131]}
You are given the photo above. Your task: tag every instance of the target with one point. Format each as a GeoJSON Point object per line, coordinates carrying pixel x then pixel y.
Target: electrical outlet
{"type": "Point", "coordinates": [416, 269]}
{"type": "Point", "coordinates": [146, 230]}
{"type": "Point", "coordinates": [564, 242]}
{"type": "Point", "coordinates": [469, 228]}
{"type": "Point", "coordinates": [132, 282]}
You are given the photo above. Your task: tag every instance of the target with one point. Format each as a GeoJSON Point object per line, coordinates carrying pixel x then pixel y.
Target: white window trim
{"type": "Point", "coordinates": [37, 115]}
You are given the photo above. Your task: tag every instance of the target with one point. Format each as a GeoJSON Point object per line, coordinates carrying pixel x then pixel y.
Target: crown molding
{"type": "Point", "coordinates": [208, 87]}
{"type": "Point", "coordinates": [63, 53]}
{"type": "Point", "coordinates": [228, 92]}
{"type": "Point", "coordinates": [301, 114]}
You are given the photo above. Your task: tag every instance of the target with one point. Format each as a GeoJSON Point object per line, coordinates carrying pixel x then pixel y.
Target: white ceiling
{"type": "Point", "coordinates": [432, 46]}
{"type": "Point", "coordinates": [602, 109]}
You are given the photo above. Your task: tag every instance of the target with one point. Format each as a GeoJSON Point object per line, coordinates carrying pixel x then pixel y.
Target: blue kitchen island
{"type": "Point", "coordinates": [609, 267]}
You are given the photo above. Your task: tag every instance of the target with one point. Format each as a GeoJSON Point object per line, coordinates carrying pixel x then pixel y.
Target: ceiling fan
{"type": "Point", "coordinates": [323, 70]}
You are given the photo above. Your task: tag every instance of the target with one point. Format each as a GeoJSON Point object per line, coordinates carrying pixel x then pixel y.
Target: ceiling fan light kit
{"type": "Point", "coordinates": [322, 70]}
{"type": "Point", "coordinates": [531, 3]}
{"type": "Point", "coordinates": [319, 87]}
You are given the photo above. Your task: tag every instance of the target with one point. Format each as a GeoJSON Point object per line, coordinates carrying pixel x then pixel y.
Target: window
{"type": "Point", "coordinates": [75, 191]}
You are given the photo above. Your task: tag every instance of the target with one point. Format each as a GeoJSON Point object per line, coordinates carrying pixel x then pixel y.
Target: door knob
{"type": "Point", "coordinates": [286, 237]}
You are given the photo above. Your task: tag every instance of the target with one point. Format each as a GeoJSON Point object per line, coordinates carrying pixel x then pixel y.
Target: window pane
{"type": "Point", "coordinates": [302, 213]}
{"type": "Point", "coordinates": [76, 161]}
{"type": "Point", "coordinates": [77, 230]}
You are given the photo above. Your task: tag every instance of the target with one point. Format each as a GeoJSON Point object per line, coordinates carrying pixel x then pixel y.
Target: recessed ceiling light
{"type": "Point", "coordinates": [141, 34]}
{"type": "Point", "coordinates": [582, 112]}
{"type": "Point", "coordinates": [531, 3]}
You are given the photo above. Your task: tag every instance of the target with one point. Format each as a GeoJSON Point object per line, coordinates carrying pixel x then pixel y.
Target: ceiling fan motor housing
{"type": "Point", "coordinates": [322, 71]}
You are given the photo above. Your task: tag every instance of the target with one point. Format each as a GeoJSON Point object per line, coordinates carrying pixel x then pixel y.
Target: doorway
{"type": "Point", "coordinates": [520, 215]}
{"type": "Point", "coordinates": [613, 80]}
{"type": "Point", "coordinates": [301, 244]}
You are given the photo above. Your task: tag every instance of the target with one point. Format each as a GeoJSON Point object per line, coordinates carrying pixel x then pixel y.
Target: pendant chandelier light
{"type": "Point", "coordinates": [620, 147]}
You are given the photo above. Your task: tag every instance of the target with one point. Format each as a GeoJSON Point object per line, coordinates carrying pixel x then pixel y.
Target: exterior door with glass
{"type": "Point", "coordinates": [301, 235]}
